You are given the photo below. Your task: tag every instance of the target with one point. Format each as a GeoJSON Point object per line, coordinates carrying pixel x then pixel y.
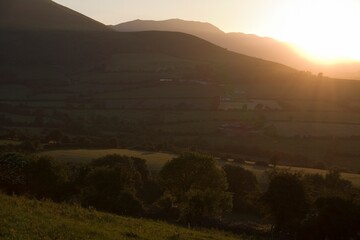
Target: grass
{"type": "Point", "coordinates": [155, 160]}
{"type": "Point", "coordinates": [25, 219]}
{"type": "Point", "coordinates": [9, 142]}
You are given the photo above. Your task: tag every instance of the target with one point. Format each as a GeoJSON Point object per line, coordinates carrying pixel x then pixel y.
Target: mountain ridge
{"type": "Point", "coordinates": [265, 48]}
{"type": "Point", "coordinates": [53, 56]}
{"type": "Point", "coordinates": [44, 15]}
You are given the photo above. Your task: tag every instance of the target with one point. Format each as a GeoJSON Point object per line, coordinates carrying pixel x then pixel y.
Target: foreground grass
{"type": "Point", "coordinates": [21, 218]}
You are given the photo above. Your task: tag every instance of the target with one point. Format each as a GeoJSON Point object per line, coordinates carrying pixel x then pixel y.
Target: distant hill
{"type": "Point", "coordinates": [43, 33]}
{"type": "Point", "coordinates": [74, 48]}
{"type": "Point", "coordinates": [177, 25]}
{"type": "Point", "coordinates": [44, 15]}
{"type": "Point", "coordinates": [21, 218]}
{"type": "Point", "coordinates": [248, 44]}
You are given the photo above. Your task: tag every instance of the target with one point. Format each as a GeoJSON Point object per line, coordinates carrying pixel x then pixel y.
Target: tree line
{"type": "Point", "coordinates": [191, 189]}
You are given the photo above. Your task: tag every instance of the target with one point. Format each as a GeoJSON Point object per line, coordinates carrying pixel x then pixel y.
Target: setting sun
{"type": "Point", "coordinates": [324, 31]}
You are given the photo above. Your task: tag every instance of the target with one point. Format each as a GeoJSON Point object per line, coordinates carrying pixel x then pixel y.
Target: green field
{"type": "Point", "coordinates": [9, 142]}
{"type": "Point", "coordinates": [155, 160]}
{"type": "Point", "coordinates": [25, 219]}
{"type": "Point", "coordinates": [261, 173]}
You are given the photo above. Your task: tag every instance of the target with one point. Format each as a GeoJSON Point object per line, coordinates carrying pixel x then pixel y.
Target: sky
{"type": "Point", "coordinates": [326, 30]}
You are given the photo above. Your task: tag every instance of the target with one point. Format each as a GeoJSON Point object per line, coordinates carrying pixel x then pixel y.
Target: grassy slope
{"type": "Point", "coordinates": [21, 218]}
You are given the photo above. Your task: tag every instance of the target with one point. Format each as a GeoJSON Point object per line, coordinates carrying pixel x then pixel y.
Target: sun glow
{"type": "Point", "coordinates": [326, 31]}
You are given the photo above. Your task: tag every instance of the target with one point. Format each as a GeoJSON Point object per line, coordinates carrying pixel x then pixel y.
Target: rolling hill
{"type": "Point", "coordinates": [248, 44]}
{"type": "Point", "coordinates": [22, 218]}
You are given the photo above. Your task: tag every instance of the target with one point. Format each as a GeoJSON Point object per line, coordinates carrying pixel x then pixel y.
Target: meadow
{"type": "Point", "coordinates": [21, 218]}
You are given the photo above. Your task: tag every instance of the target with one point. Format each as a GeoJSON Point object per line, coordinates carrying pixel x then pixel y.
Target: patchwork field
{"type": "Point", "coordinates": [316, 129]}
{"type": "Point", "coordinates": [155, 160]}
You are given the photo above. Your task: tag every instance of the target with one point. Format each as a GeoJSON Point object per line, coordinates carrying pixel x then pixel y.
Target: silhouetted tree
{"type": "Point", "coordinates": [112, 189]}
{"type": "Point", "coordinates": [286, 199]}
{"type": "Point", "coordinates": [30, 146]}
{"type": "Point", "coordinates": [13, 172]}
{"type": "Point", "coordinates": [55, 136]}
{"type": "Point", "coordinates": [45, 179]}
{"type": "Point", "coordinates": [334, 218]}
{"type": "Point", "coordinates": [114, 184]}
{"type": "Point", "coordinates": [197, 186]}
{"type": "Point", "coordinates": [242, 184]}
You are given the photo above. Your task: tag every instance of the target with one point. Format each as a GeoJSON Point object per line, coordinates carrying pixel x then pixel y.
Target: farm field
{"type": "Point", "coordinates": [155, 160]}
{"type": "Point", "coordinates": [260, 173]}
{"type": "Point", "coordinates": [8, 142]}
{"type": "Point", "coordinates": [316, 129]}
{"type": "Point", "coordinates": [182, 115]}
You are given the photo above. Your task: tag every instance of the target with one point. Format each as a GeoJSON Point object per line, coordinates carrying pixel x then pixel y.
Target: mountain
{"type": "Point", "coordinates": [44, 34]}
{"type": "Point", "coordinates": [177, 25]}
{"type": "Point", "coordinates": [248, 44]}
{"type": "Point", "coordinates": [252, 45]}
{"type": "Point", "coordinates": [75, 49]}
{"type": "Point", "coordinates": [44, 15]}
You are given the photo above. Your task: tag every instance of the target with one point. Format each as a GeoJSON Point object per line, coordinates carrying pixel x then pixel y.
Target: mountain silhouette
{"type": "Point", "coordinates": [69, 47]}
{"type": "Point", "coordinates": [44, 15]}
{"type": "Point", "coordinates": [248, 44]}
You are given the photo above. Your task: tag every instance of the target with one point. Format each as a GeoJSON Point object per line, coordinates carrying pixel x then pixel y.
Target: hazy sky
{"type": "Point", "coordinates": [315, 25]}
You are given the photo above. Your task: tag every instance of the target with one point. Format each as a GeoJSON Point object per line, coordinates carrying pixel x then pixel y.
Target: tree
{"type": "Point", "coordinates": [30, 146]}
{"type": "Point", "coordinates": [197, 186]}
{"type": "Point", "coordinates": [45, 179]}
{"type": "Point", "coordinates": [242, 184]}
{"type": "Point", "coordinates": [13, 172]}
{"type": "Point", "coordinates": [334, 218]}
{"type": "Point", "coordinates": [286, 199]}
{"type": "Point", "coordinates": [334, 182]}
{"type": "Point", "coordinates": [54, 136]}
{"type": "Point", "coordinates": [112, 190]}
{"type": "Point", "coordinates": [329, 185]}
{"type": "Point", "coordinates": [113, 184]}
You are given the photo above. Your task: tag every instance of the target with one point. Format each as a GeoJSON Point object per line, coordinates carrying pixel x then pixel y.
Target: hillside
{"type": "Point", "coordinates": [162, 91]}
{"type": "Point", "coordinates": [248, 44]}
{"type": "Point", "coordinates": [21, 218]}
{"type": "Point", "coordinates": [48, 57]}
{"type": "Point", "coordinates": [62, 52]}
{"type": "Point", "coordinates": [44, 15]}
{"type": "Point", "coordinates": [178, 25]}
